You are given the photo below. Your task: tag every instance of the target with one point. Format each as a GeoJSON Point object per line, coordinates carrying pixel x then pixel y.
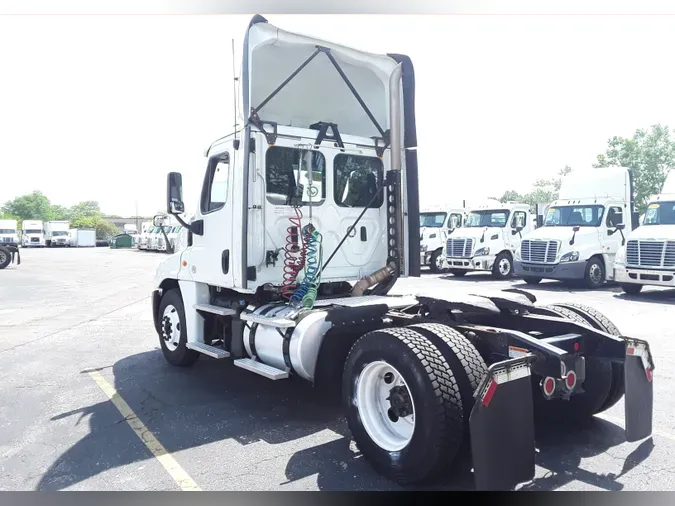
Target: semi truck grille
{"type": "Point", "coordinates": [640, 253]}
{"type": "Point", "coordinates": [539, 251]}
{"type": "Point", "coordinates": [459, 248]}
{"type": "Point", "coordinates": [34, 239]}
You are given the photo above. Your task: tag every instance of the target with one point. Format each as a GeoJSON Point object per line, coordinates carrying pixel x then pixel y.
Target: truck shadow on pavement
{"type": "Point", "coordinates": [650, 296]}
{"type": "Point", "coordinates": [213, 402]}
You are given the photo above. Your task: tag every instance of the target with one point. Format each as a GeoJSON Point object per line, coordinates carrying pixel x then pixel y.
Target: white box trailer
{"type": "Point", "coordinates": [82, 238]}
{"type": "Point", "coordinates": [8, 233]}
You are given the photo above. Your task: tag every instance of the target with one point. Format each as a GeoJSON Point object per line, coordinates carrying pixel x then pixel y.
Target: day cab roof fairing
{"type": "Point", "coordinates": [298, 81]}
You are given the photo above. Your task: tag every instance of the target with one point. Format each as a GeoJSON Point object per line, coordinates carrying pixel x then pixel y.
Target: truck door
{"type": "Point", "coordinates": [518, 220]}
{"type": "Point", "coordinates": [210, 256]}
{"type": "Point", "coordinates": [611, 238]}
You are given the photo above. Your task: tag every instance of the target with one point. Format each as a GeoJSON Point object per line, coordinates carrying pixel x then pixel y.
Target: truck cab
{"type": "Point", "coordinates": [435, 225]}
{"type": "Point", "coordinates": [8, 233]}
{"type": "Point", "coordinates": [648, 258]}
{"type": "Point", "coordinates": [32, 234]}
{"type": "Point", "coordinates": [583, 229]}
{"type": "Point", "coordinates": [489, 239]}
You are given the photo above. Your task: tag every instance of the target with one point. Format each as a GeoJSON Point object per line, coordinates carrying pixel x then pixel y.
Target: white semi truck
{"type": "Point", "coordinates": [9, 233]}
{"type": "Point", "coordinates": [435, 225]}
{"type": "Point", "coordinates": [489, 239]}
{"type": "Point", "coordinates": [32, 234]}
{"type": "Point", "coordinates": [57, 233]}
{"type": "Point", "coordinates": [294, 282]}
{"type": "Point", "coordinates": [583, 229]}
{"type": "Point", "coordinates": [648, 257]}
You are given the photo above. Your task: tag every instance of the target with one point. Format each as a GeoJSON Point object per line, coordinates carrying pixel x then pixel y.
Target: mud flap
{"type": "Point", "coordinates": [502, 426]}
{"type": "Point", "coordinates": [639, 401]}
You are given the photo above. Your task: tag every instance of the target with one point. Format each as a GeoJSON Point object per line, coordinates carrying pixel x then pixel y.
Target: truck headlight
{"type": "Point", "coordinates": [482, 252]}
{"type": "Point", "coordinates": [620, 258]}
{"type": "Point", "coordinates": [572, 256]}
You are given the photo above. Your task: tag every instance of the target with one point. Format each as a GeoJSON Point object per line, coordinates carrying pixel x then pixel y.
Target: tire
{"type": "Point", "coordinates": [436, 269]}
{"type": "Point", "coordinates": [599, 321]}
{"type": "Point", "coordinates": [594, 275]}
{"type": "Point", "coordinates": [532, 281]}
{"type": "Point", "coordinates": [178, 355]}
{"type": "Point", "coordinates": [5, 257]}
{"type": "Point", "coordinates": [437, 434]}
{"type": "Point", "coordinates": [500, 269]}
{"type": "Point", "coordinates": [458, 272]}
{"type": "Point", "coordinates": [631, 289]}
{"type": "Point", "coordinates": [463, 358]}
{"type": "Point", "coordinates": [597, 386]}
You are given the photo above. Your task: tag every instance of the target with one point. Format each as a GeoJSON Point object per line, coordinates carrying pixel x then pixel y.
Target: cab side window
{"type": "Point", "coordinates": [357, 179]}
{"type": "Point", "coordinates": [215, 189]}
{"type": "Point", "coordinates": [614, 217]}
{"type": "Point", "coordinates": [287, 176]}
{"type": "Point", "coordinates": [519, 219]}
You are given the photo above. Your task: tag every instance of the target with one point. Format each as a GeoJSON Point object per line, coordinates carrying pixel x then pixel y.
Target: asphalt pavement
{"type": "Point", "coordinates": [77, 342]}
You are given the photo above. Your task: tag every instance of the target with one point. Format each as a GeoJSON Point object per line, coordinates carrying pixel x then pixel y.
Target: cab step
{"type": "Point", "coordinates": [271, 321]}
{"type": "Point", "coordinates": [219, 310]}
{"type": "Point", "coordinates": [262, 369]}
{"type": "Point", "coordinates": [206, 349]}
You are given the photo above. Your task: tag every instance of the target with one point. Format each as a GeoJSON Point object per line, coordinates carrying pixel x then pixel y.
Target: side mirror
{"type": "Point", "coordinates": [174, 193]}
{"type": "Point", "coordinates": [158, 221]}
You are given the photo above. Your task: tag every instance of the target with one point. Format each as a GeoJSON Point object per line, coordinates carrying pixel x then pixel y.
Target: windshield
{"type": "Point", "coordinates": [432, 219]}
{"type": "Point", "coordinates": [32, 231]}
{"type": "Point", "coordinates": [492, 218]}
{"type": "Point", "coordinates": [59, 233]}
{"type": "Point", "coordinates": [573, 216]}
{"type": "Point", "coordinates": [7, 231]}
{"type": "Point", "coordinates": [661, 213]}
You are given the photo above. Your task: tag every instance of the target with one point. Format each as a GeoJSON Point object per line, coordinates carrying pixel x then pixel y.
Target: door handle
{"type": "Point", "coordinates": [364, 234]}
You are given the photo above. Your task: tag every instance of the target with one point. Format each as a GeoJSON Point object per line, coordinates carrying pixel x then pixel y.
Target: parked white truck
{"type": "Point", "coordinates": [648, 258]}
{"type": "Point", "coordinates": [8, 233]}
{"type": "Point", "coordinates": [435, 225]}
{"type": "Point", "coordinates": [293, 282]}
{"type": "Point", "coordinates": [489, 239]}
{"type": "Point", "coordinates": [57, 233]}
{"type": "Point", "coordinates": [583, 229]}
{"type": "Point", "coordinates": [32, 234]}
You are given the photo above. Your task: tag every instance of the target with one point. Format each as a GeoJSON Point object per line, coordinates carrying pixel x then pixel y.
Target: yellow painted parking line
{"type": "Point", "coordinates": [159, 452]}
{"type": "Point", "coordinates": [621, 422]}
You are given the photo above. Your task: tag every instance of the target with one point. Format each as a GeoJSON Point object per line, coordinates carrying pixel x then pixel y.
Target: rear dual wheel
{"type": "Point", "coordinates": [407, 393]}
{"type": "Point", "coordinates": [603, 385]}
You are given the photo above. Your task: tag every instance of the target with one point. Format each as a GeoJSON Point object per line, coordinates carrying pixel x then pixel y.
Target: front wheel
{"type": "Point", "coordinates": [503, 266]}
{"type": "Point", "coordinates": [403, 405]}
{"type": "Point", "coordinates": [631, 289]}
{"type": "Point", "coordinates": [5, 257]}
{"type": "Point", "coordinates": [436, 264]}
{"type": "Point", "coordinates": [173, 331]}
{"type": "Point", "coordinates": [594, 276]}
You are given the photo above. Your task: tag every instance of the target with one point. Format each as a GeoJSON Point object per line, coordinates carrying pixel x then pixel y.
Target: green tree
{"type": "Point", "coordinates": [543, 190]}
{"type": "Point", "coordinates": [650, 153]}
{"type": "Point", "coordinates": [34, 206]}
{"type": "Point", "coordinates": [86, 208]}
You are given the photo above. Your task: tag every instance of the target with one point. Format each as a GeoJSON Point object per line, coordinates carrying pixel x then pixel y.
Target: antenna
{"type": "Point", "coordinates": [234, 94]}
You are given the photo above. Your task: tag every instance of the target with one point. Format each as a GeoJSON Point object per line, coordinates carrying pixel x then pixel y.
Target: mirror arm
{"type": "Point", "coordinates": [196, 227]}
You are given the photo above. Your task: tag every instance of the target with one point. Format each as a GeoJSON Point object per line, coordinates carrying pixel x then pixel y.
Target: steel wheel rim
{"type": "Point", "coordinates": [439, 262]}
{"type": "Point", "coordinates": [504, 266]}
{"type": "Point", "coordinates": [595, 273]}
{"type": "Point", "coordinates": [3, 257]}
{"type": "Point", "coordinates": [171, 327]}
{"type": "Point", "coordinates": [372, 390]}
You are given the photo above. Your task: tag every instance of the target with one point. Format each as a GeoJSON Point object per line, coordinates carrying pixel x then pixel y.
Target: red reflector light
{"type": "Point", "coordinates": [487, 398]}
{"type": "Point", "coordinates": [549, 385]}
{"type": "Point", "coordinates": [571, 380]}
{"type": "Point", "coordinates": [650, 375]}
{"type": "Point", "coordinates": [630, 351]}
{"type": "Point", "coordinates": [576, 346]}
